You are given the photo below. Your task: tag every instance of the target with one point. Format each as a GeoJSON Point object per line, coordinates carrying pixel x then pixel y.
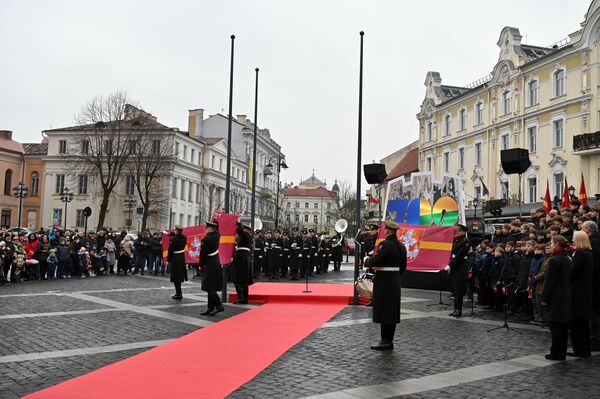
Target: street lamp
{"type": "Point", "coordinates": [66, 196]}
{"type": "Point", "coordinates": [280, 164]}
{"type": "Point", "coordinates": [20, 191]}
{"type": "Point", "coordinates": [129, 203]}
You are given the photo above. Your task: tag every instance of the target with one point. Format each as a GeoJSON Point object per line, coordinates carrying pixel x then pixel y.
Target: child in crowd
{"type": "Point", "coordinates": [52, 262]}
{"type": "Point", "coordinates": [62, 253]}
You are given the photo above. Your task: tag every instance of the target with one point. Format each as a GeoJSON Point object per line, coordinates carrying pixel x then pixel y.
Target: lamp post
{"type": "Point", "coordinates": [254, 144]}
{"type": "Point", "coordinates": [129, 203]}
{"type": "Point", "coordinates": [358, 161]}
{"type": "Point", "coordinates": [66, 196]}
{"type": "Point", "coordinates": [280, 164]}
{"type": "Point", "coordinates": [20, 191]}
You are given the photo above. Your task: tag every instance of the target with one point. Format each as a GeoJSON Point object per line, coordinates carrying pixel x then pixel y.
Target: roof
{"type": "Point", "coordinates": [311, 182]}
{"type": "Point", "coordinates": [140, 123]}
{"type": "Point", "coordinates": [535, 52]}
{"type": "Point", "coordinates": [209, 140]}
{"type": "Point", "coordinates": [408, 164]}
{"type": "Point", "coordinates": [11, 145]}
{"type": "Point", "coordinates": [35, 148]}
{"type": "Point", "coordinates": [308, 192]}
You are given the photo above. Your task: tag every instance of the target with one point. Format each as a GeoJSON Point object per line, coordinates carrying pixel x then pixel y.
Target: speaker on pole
{"type": "Point", "coordinates": [515, 160]}
{"type": "Point", "coordinates": [375, 173]}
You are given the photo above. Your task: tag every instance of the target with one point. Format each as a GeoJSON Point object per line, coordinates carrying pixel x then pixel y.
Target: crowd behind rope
{"type": "Point", "coordinates": [58, 254]}
{"type": "Point", "coordinates": [546, 271]}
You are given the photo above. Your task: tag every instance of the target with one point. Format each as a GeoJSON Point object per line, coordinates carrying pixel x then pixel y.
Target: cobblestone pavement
{"type": "Point", "coordinates": [51, 331]}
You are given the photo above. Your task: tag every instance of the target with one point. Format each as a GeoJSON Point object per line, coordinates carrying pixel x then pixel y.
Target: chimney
{"type": "Point", "coordinates": [241, 119]}
{"type": "Point", "coordinates": [195, 116]}
{"type": "Point", "coordinates": [6, 134]}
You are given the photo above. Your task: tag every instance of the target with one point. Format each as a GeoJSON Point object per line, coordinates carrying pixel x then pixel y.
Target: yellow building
{"type": "Point", "coordinates": [544, 99]}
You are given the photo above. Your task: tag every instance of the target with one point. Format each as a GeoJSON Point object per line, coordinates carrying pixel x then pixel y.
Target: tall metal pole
{"type": "Point", "coordinates": [358, 162]}
{"type": "Point", "coordinates": [253, 200]}
{"type": "Point", "coordinates": [277, 197]}
{"type": "Point", "coordinates": [66, 202]}
{"type": "Point", "coordinates": [20, 207]}
{"type": "Point", "coordinates": [228, 178]}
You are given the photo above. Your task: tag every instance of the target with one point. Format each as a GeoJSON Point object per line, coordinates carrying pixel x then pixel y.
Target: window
{"type": "Point", "coordinates": [189, 220]}
{"type": "Point", "coordinates": [60, 184]}
{"type": "Point", "coordinates": [316, 218]}
{"type": "Point", "coordinates": [35, 184]}
{"type": "Point", "coordinates": [447, 162]}
{"type": "Point", "coordinates": [316, 205]}
{"type": "Point", "coordinates": [297, 205]}
{"type": "Point", "coordinates": [429, 164]}
{"type": "Point", "coordinates": [479, 113]}
{"type": "Point", "coordinates": [184, 152]}
{"type": "Point", "coordinates": [532, 189]}
{"type": "Point", "coordinates": [108, 147]}
{"type": "Point", "coordinates": [447, 125]}
{"type": "Point", "coordinates": [557, 133]}
{"type": "Point", "coordinates": [79, 218]}
{"type": "Point", "coordinates": [192, 155]}
{"type": "Point", "coordinates": [133, 144]}
{"type": "Point", "coordinates": [177, 149]}
{"type": "Point", "coordinates": [461, 158]}
{"type": "Point", "coordinates": [328, 219]}
{"type": "Point", "coordinates": [181, 218]}
{"type": "Point", "coordinates": [212, 162]}
{"type": "Point", "coordinates": [297, 218]}
{"type": "Point", "coordinates": [532, 91]}
{"type": "Point", "coordinates": [532, 139]}
{"type": "Point", "coordinates": [62, 146]}
{"type": "Point", "coordinates": [477, 191]}
{"type": "Point", "coordinates": [182, 187]}
{"type": "Point", "coordinates": [156, 147]}
{"type": "Point", "coordinates": [329, 205]}
{"type": "Point", "coordinates": [82, 185]}
{"type": "Point", "coordinates": [462, 120]}
{"type": "Point", "coordinates": [559, 181]}
{"type": "Point", "coordinates": [505, 141]}
{"type": "Point", "coordinates": [559, 83]}
{"type": "Point", "coordinates": [220, 165]}
{"type": "Point", "coordinates": [190, 191]}
{"type": "Point", "coordinates": [5, 221]}
{"type": "Point", "coordinates": [430, 131]}
{"type": "Point", "coordinates": [506, 102]}
{"type": "Point", "coordinates": [289, 204]}
{"type": "Point", "coordinates": [85, 147]}
{"type": "Point", "coordinates": [196, 220]}
{"type": "Point", "coordinates": [306, 205]}
{"type": "Point", "coordinates": [197, 193]}
{"type": "Point", "coordinates": [57, 214]}
{"type": "Point", "coordinates": [504, 186]}
{"type": "Point", "coordinates": [305, 218]}
{"type": "Point", "coordinates": [174, 189]}
{"type": "Point", "coordinates": [288, 218]}
{"type": "Point", "coordinates": [477, 154]}
{"type": "Point", "coordinates": [129, 185]}
{"type": "Point", "coordinates": [8, 182]}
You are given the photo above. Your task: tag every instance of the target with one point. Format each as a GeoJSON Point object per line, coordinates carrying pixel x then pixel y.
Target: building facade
{"type": "Point", "coordinates": [542, 98]}
{"type": "Point", "coordinates": [310, 205]}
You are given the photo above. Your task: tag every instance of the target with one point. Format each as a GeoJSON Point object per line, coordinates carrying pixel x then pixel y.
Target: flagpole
{"type": "Point", "coordinates": [358, 163]}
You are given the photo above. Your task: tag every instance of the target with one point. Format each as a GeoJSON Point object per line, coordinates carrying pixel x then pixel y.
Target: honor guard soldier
{"type": "Point", "coordinates": [285, 248]}
{"type": "Point", "coordinates": [259, 252]}
{"type": "Point", "coordinates": [306, 251]}
{"type": "Point", "coordinates": [275, 255]}
{"type": "Point", "coordinates": [241, 275]}
{"type": "Point", "coordinates": [388, 263]}
{"type": "Point", "coordinates": [295, 253]}
{"type": "Point", "coordinates": [458, 268]}
{"type": "Point", "coordinates": [268, 250]}
{"type": "Point", "coordinates": [336, 252]}
{"type": "Point", "coordinates": [321, 253]}
{"type": "Point", "coordinates": [176, 260]}
{"type": "Point", "coordinates": [212, 279]}
{"type": "Point", "coordinates": [327, 251]}
{"type": "Point", "coordinates": [314, 243]}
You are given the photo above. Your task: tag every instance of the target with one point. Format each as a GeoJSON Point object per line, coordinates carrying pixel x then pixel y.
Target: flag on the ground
{"type": "Point", "coordinates": [566, 201]}
{"type": "Point", "coordinates": [485, 192]}
{"type": "Point", "coordinates": [582, 193]}
{"type": "Point", "coordinates": [227, 230]}
{"type": "Point", "coordinates": [373, 199]}
{"type": "Point", "coordinates": [547, 199]}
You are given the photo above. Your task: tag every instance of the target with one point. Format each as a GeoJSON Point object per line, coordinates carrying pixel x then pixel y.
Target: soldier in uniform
{"type": "Point", "coordinates": [266, 268]}
{"type": "Point", "coordinates": [305, 254]}
{"type": "Point", "coordinates": [389, 263]}
{"type": "Point", "coordinates": [458, 268]}
{"type": "Point", "coordinates": [313, 244]}
{"type": "Point", "coordinates": [259, 252]}
{"type": "Point", "coordinates": [212, 278]}
{"type": "Point", "coordinates": [285, 259]}
{"type": "Point", "coordinates": [176, 260]}
{"type": "Point", "coordinates": [336, 252]}
{"type": "Point", "coordinates": [295, 254]}
{"type": "Point", "coordinates": [275, 255]}
{"type": "Point", "coordinates": [321, 253]}
{"type": "Point", "coordinates": [327, 252]}
{"type": "Point", "coordinates": [241, 275]}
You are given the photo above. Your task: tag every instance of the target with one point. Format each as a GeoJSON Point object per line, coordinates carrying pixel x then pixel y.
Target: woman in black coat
{"type": "Point", "coordinates": [557, 298]}
{"type": "Point", "coordinates": [212, 278]}
{"type": "Point", "coordinates": [581, 295]}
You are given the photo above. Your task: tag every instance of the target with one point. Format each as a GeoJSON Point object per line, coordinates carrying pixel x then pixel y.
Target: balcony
{"type": "Point", "coordinates": [586, 143]}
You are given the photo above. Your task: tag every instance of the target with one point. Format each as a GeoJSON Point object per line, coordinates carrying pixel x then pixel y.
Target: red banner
{"type": "Point", "coordinates": [428, 247]}
{"type": "Point", "coordinates": [227, 229]}
{"type": "Point", "coordinates": [194, 236]}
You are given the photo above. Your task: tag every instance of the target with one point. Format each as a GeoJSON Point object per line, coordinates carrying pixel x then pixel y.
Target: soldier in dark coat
{"type": "Point", "coordinates": [241, 275]}
{"type": "Point", "coordinates": [212, 279]}
{"type": "Point", "coordinates": [458, 268]}
{"type": "Point", "coordinates": [275, 255]}
{"type": "Point", "coordinates": [336, 252]}
{"type": "Point", "coordinates": [556, 297]}
{"type": "Point", "coordinates": [295, 254]}
{"type": "Point", "coordinates": [389, 263]}
{"type": "Point", "coordinates": [176, 260]}
{"type": "Point", "coordinates": [314, 243]}
{"type": "Point", "coordinates": [259, 252]}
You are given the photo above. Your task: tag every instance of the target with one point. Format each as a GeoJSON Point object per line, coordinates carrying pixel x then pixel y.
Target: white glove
{"type": "Point", "coordinates": [447, 268]}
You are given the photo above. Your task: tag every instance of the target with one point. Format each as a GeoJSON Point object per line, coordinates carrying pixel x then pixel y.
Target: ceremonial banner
{"type": "Point", "coordinates": [194, 236]}
{"type": "Point", "coordinates": [428, 248]}
{"type": "Point", "coordinates": [227, 229]}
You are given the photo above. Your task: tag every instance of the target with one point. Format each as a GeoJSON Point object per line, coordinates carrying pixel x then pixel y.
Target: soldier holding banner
{"type": "Point", "coordinates": [212, 279]}
{"type": "Point", "coordinates": [176, 260]}
{"type": "Point", "coordinates": [241, 275]}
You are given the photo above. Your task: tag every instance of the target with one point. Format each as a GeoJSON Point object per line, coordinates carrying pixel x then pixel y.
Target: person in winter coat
{"type": "Point", "coordinates": [62, 254]}
{"type": "Point", "coordinates": [582, 306]}
{"type": "Point", "coordinates": [52, 262]}
{"type": "Point", "coordinates": [534, 268]}
{"type": "Point", "coordinates": [111, 253]}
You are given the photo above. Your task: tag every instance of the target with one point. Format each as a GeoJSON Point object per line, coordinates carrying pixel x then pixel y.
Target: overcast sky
{"type": "Point", "coordinates": [172, 56]}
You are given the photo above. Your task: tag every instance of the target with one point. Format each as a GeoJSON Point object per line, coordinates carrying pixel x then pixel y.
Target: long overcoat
{"type": "Point", "coordinates": [582, 304]}
{"type": "Point", "coordinates": [241, 273]}
{"type": "Point", "coordinates": [212, 277]}
{"type": "Point", "coordinates": [459, 265]}
{"type": "Point", "coordinates": [177, 260]}
{"type": "Point", "coordinates": [556, 292]}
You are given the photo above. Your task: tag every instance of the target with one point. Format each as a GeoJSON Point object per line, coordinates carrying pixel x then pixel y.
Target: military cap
{"type": "Point", "coordinates": [462, 227]}
{"type": "Point", "coordinates": [295, 229]}
{"type": "Point", "coordinates": [304, 232]}
{"type": "Point", "coordinates": [374, 226]}
{"type": "Point", "coordinates": [391, 225]}
{"type": "Point", "coordinates": [178, 227]}
{"type": "Point", "coordinates": [212, 224]}
{"type": "Point", "coordinates": [311, 230]}
{"type": "Point", "coordinates": [247, 227]}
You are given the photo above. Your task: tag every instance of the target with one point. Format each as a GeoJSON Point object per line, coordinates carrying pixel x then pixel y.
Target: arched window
{"type": "Point", "coordinates": [35, 184]}
{"type": "Point", "coordinates": [559, 83]}
{"type": "Point", "coordinates": [7, 181]}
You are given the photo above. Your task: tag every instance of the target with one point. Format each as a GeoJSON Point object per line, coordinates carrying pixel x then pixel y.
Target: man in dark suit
{"type": "Point", "coordinates": [176, 260]}
{"type": "Point", "coordinates": [458, 268]}
{"type": "Point", "coordinates": [212, 278]}
{"type": "Point", "coordinates": [388, 263]}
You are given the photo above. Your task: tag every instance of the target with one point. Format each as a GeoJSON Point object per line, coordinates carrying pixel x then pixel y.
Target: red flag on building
{"type": "Point", "coordinates": [373, 199]}
{"type": "Point", "coordinates": [582, 193]}
{"type": "Point", "coordinates": [547, 199]}
{"type": "Point", "coordinates": [566, 201]}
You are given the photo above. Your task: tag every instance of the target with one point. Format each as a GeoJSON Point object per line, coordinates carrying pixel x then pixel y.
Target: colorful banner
{"type": "Point", "coordinates": [227, 229]}
{"type": "Point", "coordinates": [428, 248]}
{"type": "Point", "coordinates": [194, 237]}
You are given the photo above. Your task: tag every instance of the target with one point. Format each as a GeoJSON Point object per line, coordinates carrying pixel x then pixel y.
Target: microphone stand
{"type": "Point", "coordinates": [440, 303]}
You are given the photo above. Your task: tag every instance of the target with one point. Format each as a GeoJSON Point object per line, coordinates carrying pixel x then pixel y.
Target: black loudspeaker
{"type": "Point", "coordinates": [515, 160]}
{"type": "Point", "coordinates": [375, 173]}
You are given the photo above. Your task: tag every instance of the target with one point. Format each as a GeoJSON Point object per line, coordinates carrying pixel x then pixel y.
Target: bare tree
{"type": "Point", "coordinates": [104, 148]}
{"type": "Point", "coordinates": [211, 201]}
{"type": "Point", "coordinates": [345, 205]}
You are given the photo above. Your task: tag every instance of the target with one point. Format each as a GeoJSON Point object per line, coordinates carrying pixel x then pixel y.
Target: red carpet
{"type": "Point", "coordinates": [293, 292]}
{"type": "Point", "coordinates": [214, 361]}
